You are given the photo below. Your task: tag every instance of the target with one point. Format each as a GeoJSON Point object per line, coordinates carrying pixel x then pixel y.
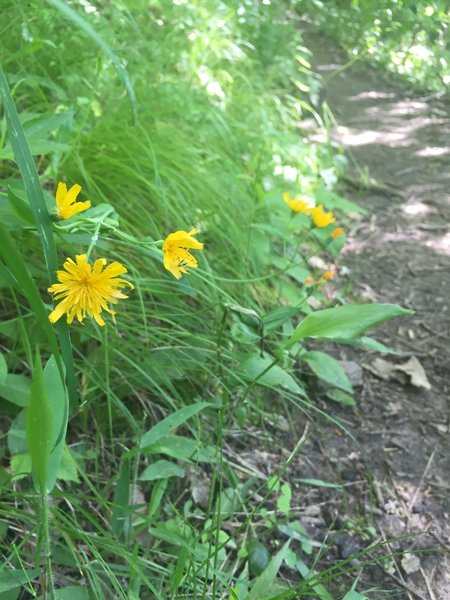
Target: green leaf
{"type": "Point", "coordinates": [258, 557]}
{"type": "Point", "coordinates": [17, 443]}
{"type": "Point", "coordinates": [341, 397]}
{"type": "Point", "coordinates": [59, 408]}
{"type": "Point", "coordinates": [256, 368]}
{"type": "Point", "coordinates": [3, 369]}
{"type": "Point", "coordinates": [21, 465]}
{"type": "Point", "coordinates": [284, 500]}
{"type": "Point", "coordinates": [327, 368]}
{"type": "Point", "coordinates": [85, 26]}
{"type": "Point", "coordinates": [354, 595]}
{"type": "Point", "coordinates": [72, 592]}
{"type": "Point", "coordinates": [16, 389]}
{"type": "Point", "coordinates": [39, 428]}
{"type": "Point", "coordinates": [279, 315]}
{"type": "Point", "coordinates": [262, 585]}
{"type": "Point", "coordinates": [181, 448]}
{"type": "Point", "coordinates": [171, 422]}
{"type": "Point", "coordinates": [346, 322]}
{"type": "Point", "coordinates": [20, 207]}
{"type": "Point", "coordinates": [161, 469]}
{"type": "Point", "coordinates": [67, 471]}
{"type": "Point", "coordinates": [11, 578]}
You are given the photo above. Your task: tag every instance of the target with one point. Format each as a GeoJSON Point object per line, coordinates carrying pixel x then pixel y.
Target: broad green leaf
{"type": "Point", "coordinates": [258, 557]}
{"type": "Point", "coordinates": [16, 389]}
{"type": "Point", "coordinates": [20, 207]}
{"type": "Point", "coordinates": [181, 448]}
{"type": "Point", "coordinates": [247, 315]}
{"type": "Point", "coordinates": [262, 585]}
{"type": "Point", "coordinates": [21, 465]}
{"type": "Point", "coordinates": [171, 422]}
{"type": "Point", "coordinates": [327, 368]}
{"type": "Point", "coordinates": [284, 500]}
{"type": "Point", "coordinates": [341, 397]}
{"type": "Point", "coordinates": [67, 471]}
{"type": "Point", "coordinates": [279, 315]}
{"type": "Point", "coordinates": [17, 443]}
{"type": "Point", "coordinates": [354, 595]}
{"type": "Point", "coordinates": [59, 408]}
{"type": "Point", "coordinates": [11, 578]}
{"type": "Point", "coordinates": [3, 369]}
{"type": "Point", "coordinates": [161, 469]}
{"type": "Point", "coordinates": [256, 369]}
{"type": "Point", "coordinates": [39, 428]}
{"type": "Point", "coordinates": [347, 322]}
{"type": "Point", "coordinates": [72, 592]}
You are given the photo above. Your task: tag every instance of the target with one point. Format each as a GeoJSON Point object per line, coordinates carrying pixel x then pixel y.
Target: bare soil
{"type": "Point", "coordinates": [395, 471]}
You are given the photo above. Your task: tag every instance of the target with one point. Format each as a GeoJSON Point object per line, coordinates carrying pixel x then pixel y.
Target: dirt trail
{"type": "Point", "coordinates": [399, 254]}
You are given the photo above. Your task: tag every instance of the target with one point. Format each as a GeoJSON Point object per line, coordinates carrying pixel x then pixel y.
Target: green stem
{"type": "Point", "coordinates": [47, 583]}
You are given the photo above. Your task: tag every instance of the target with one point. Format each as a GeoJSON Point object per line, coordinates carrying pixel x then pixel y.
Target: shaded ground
{"type": "Point", "coordinates": [398, 145]}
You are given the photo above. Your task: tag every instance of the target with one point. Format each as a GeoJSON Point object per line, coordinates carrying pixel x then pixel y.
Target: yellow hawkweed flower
{"type": "Point", "coordinates": [308, 281]}
{"type": "Point", "coordinates": [298, 205]}
{"type": "Point", "coordinates": [320, 217]}
{"type": "Point", "coordinates": [337, 232]}
{"type": "Point", "coordinates": [327, 275]}
{"type": "Point", "coordinates": [85, 289]}
{"type": "Point", "coordinates": [66, 201]}
{"type": "Point", "coordinates": [176, 255]}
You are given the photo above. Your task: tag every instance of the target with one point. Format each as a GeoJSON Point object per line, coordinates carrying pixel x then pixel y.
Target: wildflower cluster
{"type": "Point", "coordinates": [320, 219]}
{"type": "Point", "coordinates": [86, 290]}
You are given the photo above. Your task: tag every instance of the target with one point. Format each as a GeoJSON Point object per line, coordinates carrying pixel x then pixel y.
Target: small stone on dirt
{"type": "Point", "coordinates": [347, 546]}
{"type": "Point", "coordinates": [353, 371]}
{"type": "Point", "coordinates": [410, 563]}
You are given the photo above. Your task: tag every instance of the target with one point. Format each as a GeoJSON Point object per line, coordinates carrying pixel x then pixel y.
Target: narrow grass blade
{"type": "Point", "coordinates": [97, 39]}
{"type": "Point", "coordinates": [35, 197]}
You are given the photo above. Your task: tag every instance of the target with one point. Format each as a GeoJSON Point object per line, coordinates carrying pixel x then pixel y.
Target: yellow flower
{"type": "Point", "coordinates": [176, 255]}
{"type": "Point", "coordinates": [298, 205]}
{"type": "Point", "coordinates": [321, 218]}
{"type": "Point", "coordinates": [328, 275]}
{"type": "Point", "coordinates": [337, 232]}
{"type": "Point", "coordinates": [85, 289]}
{"type": "Point", "coordinates": [308, 281]}
{"type": "Point", "coordinates": [65, 201]}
